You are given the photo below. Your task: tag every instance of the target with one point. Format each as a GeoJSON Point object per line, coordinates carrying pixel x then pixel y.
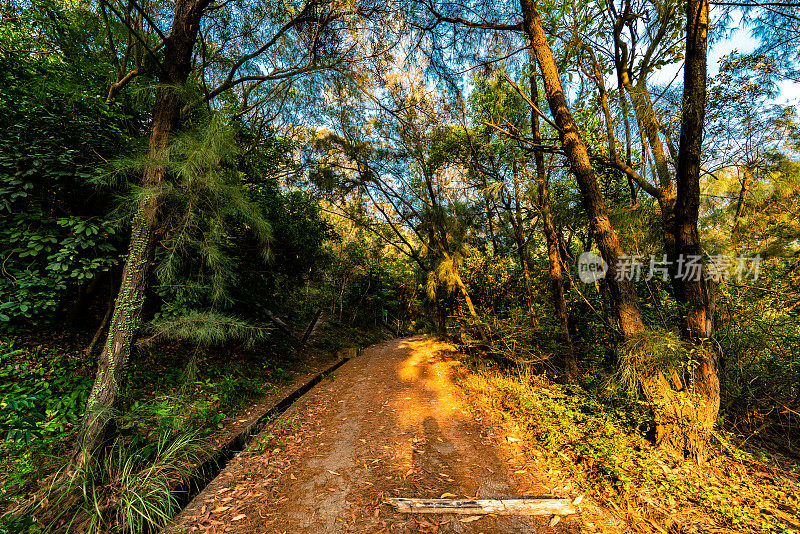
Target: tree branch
{"type": "Point", "coordinates": [470, 24]}
{"type": "Point", "coordinates": [649, 188]}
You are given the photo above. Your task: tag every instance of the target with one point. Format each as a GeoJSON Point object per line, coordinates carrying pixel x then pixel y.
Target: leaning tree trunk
{"type": "Point", "coordinates": [626, 306]}
{"type": "Point", "coordinates": [465, 293]}
{"type": "Point", "coordinates": [682, 421]}
{"type": "Point", "coordinates": [551, 238]}
{"type": "Point", "coordinates": [691, 407]}
{"type": "Point", "coordinates": [125, 320]}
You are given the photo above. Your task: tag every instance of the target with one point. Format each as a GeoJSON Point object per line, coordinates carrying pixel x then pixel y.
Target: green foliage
{"type": "Point", "coordinates": [131, 490]}
{"type": "Point", "coordinates": [495, 101]}
{"type": "Point", "coordinates": [776, 28]}
{"type": "Point", "coordinates": [430, 193]}
{"type": "Point", "coordinates": [203, 204]}
{"type": "Point", "coordinates": [55, 230]}
{"type": "Point", "coordinates": [150, 411]}
{"type": "Point", "coordinates": [652, 352]}
{"type": "Point", "coordinates": [299, 245]}
{"type": "Point", "coordinates": [205, 329]}
{"type": "Point", "coordinates": [46, 397]}
{"type": "Point", "coordinates": [602, 443]}
{"type": "Point", "coordinates": [42, 397]}
{"type": "Point", "coordinates": [761, 372]}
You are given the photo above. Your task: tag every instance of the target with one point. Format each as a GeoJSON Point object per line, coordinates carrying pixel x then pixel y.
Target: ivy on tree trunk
{"type": "Point", "coordinates": [175, 69]}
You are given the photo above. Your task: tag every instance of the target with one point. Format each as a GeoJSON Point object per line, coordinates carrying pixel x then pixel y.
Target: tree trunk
{"type": "Point", "coordinates": [522, 248]}
{"type": "Point", "coordinates": [648, 125]}
{"type": "Point", "coordinates": [551, 238]}
{"type": "Point", "coordinates": [441, 309]}
{"type": "Point", "coordinates": [490, 219]}
{"type": "Point", "coordinates": [125, 320]}
{"type": "Point", "coordinates": [622, 291]}
{"type": "Point", "coordinates": [746, 182]}
{"type": "Point", "coordinates": [438, 234]}
{"type": "Point", "coordinates": [691, 426]}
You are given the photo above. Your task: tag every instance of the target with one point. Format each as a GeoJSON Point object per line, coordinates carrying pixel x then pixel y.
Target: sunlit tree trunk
{"type": "Point", "coordinates": [125, 320]}
{"type": "Point", "coordinates": [622, 291]}
{"type": "Point", "coordinates": [648, 124]}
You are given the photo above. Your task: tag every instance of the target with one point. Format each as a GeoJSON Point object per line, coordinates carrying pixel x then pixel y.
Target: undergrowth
{"type": "Point", "coordinates": [602, 442]}
{"type": "Point", "coordinates": [335, 336]}
{"type": "Point", "coordinates": [43, 393]}
{"type": "Point", "coordinates": [130, 490]}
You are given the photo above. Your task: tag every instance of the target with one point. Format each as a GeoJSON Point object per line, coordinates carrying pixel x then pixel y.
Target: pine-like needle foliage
{"type": "Point", "coordinates": [203, 205]}
{"type": "Point", "coordinates": [206, 328]}
{"type": "Point", "coordinates": [652, 352]}
{"type": "Point", "coordinates": [203, 209]}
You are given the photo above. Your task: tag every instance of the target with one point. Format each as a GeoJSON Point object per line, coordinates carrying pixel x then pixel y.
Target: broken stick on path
{"type": "Point", "coordinates": [485, 506]}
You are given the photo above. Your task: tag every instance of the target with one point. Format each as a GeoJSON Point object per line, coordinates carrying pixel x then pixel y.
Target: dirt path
{"type": "Point", "coordinates": [389, 423]}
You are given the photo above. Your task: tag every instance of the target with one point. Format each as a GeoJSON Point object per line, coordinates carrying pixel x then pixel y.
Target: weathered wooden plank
{"type": "Point", "coordinates": [484, 506]}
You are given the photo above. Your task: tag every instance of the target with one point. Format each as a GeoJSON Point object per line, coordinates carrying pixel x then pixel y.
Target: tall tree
{"type": "Point", "coordinates": [688, 403]}
{"type": "Point", "coordinates": [677, 415]}
{"type": "Point", "coordinates": [125, 320]}
{"type": "Point", "coordinates": [261, 59]}
{"type": "Point", "coordinates": [696, 293]}
{"type": "Point", "coordinates": [623, 292]}
{"type": "Point", "coordinates": [550, 233]}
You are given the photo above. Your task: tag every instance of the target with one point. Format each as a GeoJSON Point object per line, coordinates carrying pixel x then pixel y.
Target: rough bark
{"type": "Point", "coordinates": [622, 291]}
{"type": "Point", "coordinates": [690, 404]}
{"type": "Point", "coordinates": [648, 124]}
{"type": "Point", "coordinates": [696, 295]}
{"type": "Point", "coordinates": [125, 320]}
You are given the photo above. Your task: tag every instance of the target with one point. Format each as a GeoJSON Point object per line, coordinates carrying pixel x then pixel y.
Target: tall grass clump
{"type": "Point", "coordinates": [651, 352]}
{"type": "Point", "coordinates": [131, 490]}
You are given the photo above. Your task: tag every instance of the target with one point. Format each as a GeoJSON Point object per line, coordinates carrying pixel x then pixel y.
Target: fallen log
{"type": "Point", "coordinates": [311, 326]}
{"type": "Point", "coordinates": [283, 327]}
{"type": "Point", "coordinates": [484, 506]}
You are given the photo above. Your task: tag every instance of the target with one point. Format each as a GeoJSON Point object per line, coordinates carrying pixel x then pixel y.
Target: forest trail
{"type": "Point", "coordinates": [389, 423]}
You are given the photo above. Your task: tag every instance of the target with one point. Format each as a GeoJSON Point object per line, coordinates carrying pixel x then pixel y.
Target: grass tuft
{"type": "Point", "coordinates": [131, 490]}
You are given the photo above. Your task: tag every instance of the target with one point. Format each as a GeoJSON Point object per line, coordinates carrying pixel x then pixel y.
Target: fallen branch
{"type": "Point", "coordinates": [311, 326]}
{"type": "Point", "coordinates": [485, 506]}
{"type": "Point", "coordinates": [283, 327]}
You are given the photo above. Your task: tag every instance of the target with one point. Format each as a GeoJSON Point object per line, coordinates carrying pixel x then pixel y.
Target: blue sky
{"type": "Point", "coordinates": [740, 40]}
